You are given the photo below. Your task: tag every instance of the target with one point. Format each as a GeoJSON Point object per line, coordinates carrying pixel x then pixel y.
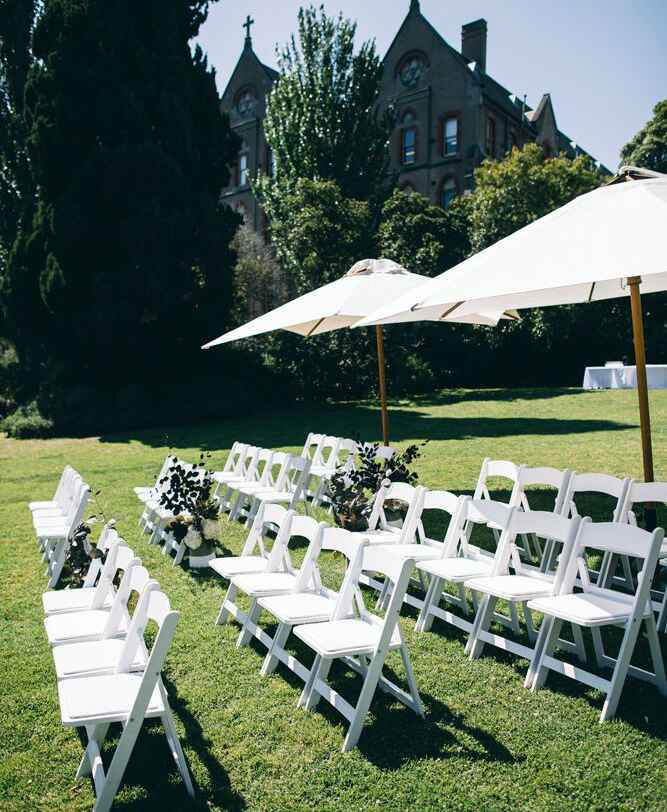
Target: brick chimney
{"type": "Point", "coordinates": [473, 43]}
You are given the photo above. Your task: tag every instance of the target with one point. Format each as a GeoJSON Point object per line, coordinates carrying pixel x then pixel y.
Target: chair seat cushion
{"type": "Point", "coordinates": [271, 495]}
{"type": "Point", "coordinates": [107, 698]}
{"type": "Point", "coordinates": [325, 471]}
{"type": "Point", "coordinates": [511, 587]}
{"type": "Point", "coordinates": [265, 583]}
{"type": "Point", "coordinates": [72, 626]}
{"type": "Point", "coordinates": [456, 569]}
{"type": "Point", "coordinates": [72, 600]}
{"type": "Point", "coordinates": [300, 607]}
{"type": "Point", "coordinates": [50, 503]}
{"type": "Point", "coordinates": [238, 564]}
{"type": "Point", "coordinates": [251, 488]}
{"type": "Point", "coordinates": [92, 657]}
{"type": "Point", "coordinates": [586, 609]}
{"type": "Point", "coordinates": [337, 638]}
{"type": "Point", "coordinates": [381, 536]}
{"type": "Point", "coordinates": [225, 476]}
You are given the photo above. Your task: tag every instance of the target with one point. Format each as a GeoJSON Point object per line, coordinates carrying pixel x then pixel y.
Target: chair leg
{"type": "Point", "coordinates": [118, 764]}
{"type": "Point", "coordinates": [656, 654]}
{"type": "Point", "coordinates": [412, 682]}
{"type": "Point", "coordinates": [621, 669]}
{"type": "Point", "coordinates": [252, 617]}
{"type": "Point", "coordinates": [432, 598]}
{"type": "Point", "coordinates": [598, 646]}
{"type": "Point", "coordinates": [97, 734]}
{"type": "Point", "coordinates": [230, 595]}
{"type": "Point", "coordinates": [474, 646]}
{"type": "Point", "coordinates": [551, 633]}
{"type": "Point", "coordinates": [364, 703]}
{"type": "Point", "coordinates": [279, 639]}
{"type": "Point", "coordinates": [542, 636]}
{"type": "Point", "coordinates": [662, 615]}
{"type": "Point", "coordinates": [578, 637]}
{"type": "Point", "coordinates": [305, 693]}
{"type": "Point", "coordinates": [530, 628]}
{"type": "Point", "coordinates": [177, 751]}
{"type": "Point", "coordinates": [321, 672]}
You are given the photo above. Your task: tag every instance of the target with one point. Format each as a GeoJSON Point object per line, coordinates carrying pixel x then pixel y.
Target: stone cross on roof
{"type": "Point", "coordinates": [248, 22]}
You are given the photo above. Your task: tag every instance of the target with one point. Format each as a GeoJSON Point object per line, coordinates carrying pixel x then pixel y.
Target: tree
{"type": "Point", "coordinates": [128, 246]}
{"type": "Point", "coordinates": [648, 149]}
{"type": "Point", "coordinates": [322, 121]}
{"type": "Point", "coordinates": [421, 236]}
{"type": "Point", "coordinates": [259, 281]}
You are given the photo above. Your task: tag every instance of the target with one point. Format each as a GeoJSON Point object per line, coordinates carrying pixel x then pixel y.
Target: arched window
{"type": "Point", "coordinates": [408, 154]}
{"type": "Point", "coordinates": [448, 192]}
{"type": "Point", "coordinates": [411, 69]}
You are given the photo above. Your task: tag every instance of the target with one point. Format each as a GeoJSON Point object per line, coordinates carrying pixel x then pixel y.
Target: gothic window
{"type": "Point", "coordinates": [409, 145]}
{"type": "Point", "coordinates": [491, 137]}
{"type": "Point", "coordinates": [411, 70]}
{"type": "Point", "coordinates": [450, 135]}
{"type": "Point", "coordinates": [448, 192]}
{"type": "Point", "coordinates": [246, 103]}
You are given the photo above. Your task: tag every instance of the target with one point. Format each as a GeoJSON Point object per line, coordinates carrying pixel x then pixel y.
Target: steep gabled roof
{"type": "Point", "coordinates": [248, 53]}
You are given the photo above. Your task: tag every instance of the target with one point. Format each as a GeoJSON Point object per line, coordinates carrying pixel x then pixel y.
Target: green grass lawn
{"type": "Point", "coordinates": [486, 743]}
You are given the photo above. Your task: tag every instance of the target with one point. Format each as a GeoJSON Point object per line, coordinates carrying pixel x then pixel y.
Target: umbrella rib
{"type": "Point", "coordinates": [315, 326]}
{"type": "Point", "coordinates": [450, 310]}
{"type": "Point", "coordinates": [509, 315]}
{"type": "Point", "coordinates": [590, 294]}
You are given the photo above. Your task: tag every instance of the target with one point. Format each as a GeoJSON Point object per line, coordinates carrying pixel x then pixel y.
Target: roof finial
{"type": "Point", "coordinates": [248, 22]}
{"type": "Point", "coordinates": [414, 5]}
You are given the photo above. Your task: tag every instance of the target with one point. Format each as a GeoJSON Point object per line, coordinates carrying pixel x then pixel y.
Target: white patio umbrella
{"type": "Point", "coordinates": [368, 284]}
{"type": "Point", "coordinates": [607, 243]}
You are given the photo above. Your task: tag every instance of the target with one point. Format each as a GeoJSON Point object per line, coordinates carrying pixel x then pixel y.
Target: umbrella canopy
{"type": "Point", "coordinates": [602, 245]}
{"type": "Point", "coordinates": [582, 252]}
{"type": "Point", "coordinates": [366, 286]}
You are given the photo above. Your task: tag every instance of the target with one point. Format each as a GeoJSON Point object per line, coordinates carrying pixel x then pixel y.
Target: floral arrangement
{"type": "Point", "coordinates": [188, 495]}
{"type": "Point", "coordinates": [353, 488]}
{"type": "Point", "coordinates": [81, 551]}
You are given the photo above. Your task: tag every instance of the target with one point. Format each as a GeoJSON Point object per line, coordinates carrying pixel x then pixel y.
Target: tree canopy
{"type": "Point", "coordinates": [648, 148]}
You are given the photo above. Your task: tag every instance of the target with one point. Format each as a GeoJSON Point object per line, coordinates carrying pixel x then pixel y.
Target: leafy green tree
{"type": "Point", "coordinates": [259, 281]}
{"type": "Point", "coordinates": [321, 120]}
{"type": "Point", "coordinates": [421, 236]}
{"type": "Point", "coordinates": [129, 245]}
{"type": "Point", "coordinates": [512, 193]}
{"type": "Point", "coordinates": [648, 149]}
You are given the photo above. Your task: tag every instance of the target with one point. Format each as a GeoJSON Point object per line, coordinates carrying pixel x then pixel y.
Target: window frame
{"type": "Point", "coordinates": [491, 149]}
{"type": "Point", "coordinates": [454, 115]}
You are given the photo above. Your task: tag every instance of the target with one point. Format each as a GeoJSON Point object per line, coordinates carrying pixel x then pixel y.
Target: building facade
{"type": "Point", "coordinates": [449, 114]}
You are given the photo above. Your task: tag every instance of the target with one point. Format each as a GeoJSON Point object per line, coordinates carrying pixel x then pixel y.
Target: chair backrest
{"type": "Point", "coordinates": [308, 575]}
{"type": "Point", "coordinates": [476, 511]}
{"type": "Point", "coordinates": [543, 476]}
{"type": "Point", "coordinates": [294, 478]}
{"type": "Point", "coordinates": [615, 538]}
{"type": "Point", "coordinates": [445, 503]}
{"type": "Point", "coordinates": [327, 452]}
{"type": "Point", "coordinates": [135, 577]}
{"type": "Point", "coordinates": [605, 484]}
{"type": "Point", "coordinates": [75, 517]}
{"type": "Point", "coordinates": [263, 466]}
{"type": "Point", "coordinates": [293, 526]}
{"type": "Point", "coordinates": [235, 453]}
{"type": "Point", "coordinates": [268, 515]}
{"type": "Point", "coordinates": [338, 540]}
{"type": "Point", "coordinates": [108, 539]}
{"type": "Point", "coordinates": [495, 468]}
{"type": "Point", "coordinates": [346, 453]}
{"type": "Point", "coordinates": [642, 493]}
{"type": "Point", "coordinates": [60, 495]}
{"type": "Point", "coordinates": [312, 446]}
{"type": "Point", "coordinates": [400, 492]}
{"type": "Point", "coordinates": [134, 639]}
{"type": "Point", "coordinates": [533, 522]}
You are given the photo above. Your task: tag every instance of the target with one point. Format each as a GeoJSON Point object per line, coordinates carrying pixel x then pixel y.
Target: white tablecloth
{"type": "Point", "coordinates": [624, 377]}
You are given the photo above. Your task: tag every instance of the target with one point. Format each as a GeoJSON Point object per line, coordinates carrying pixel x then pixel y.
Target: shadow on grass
{"type": "Point", "coordinates": [289, 428]}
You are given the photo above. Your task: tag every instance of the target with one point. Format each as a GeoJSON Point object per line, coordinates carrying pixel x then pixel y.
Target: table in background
{"type": "Point", "coordinates": [620, 377]}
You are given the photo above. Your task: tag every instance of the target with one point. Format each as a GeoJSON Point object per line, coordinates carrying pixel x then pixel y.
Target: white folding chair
{"type": "Point", "coordinates": [311, 446]}
{"type": "Point", "coordinates": [99, 624]}
{"type": "Point", "coordinates": [595, 607]}
{"type": "Point", "coordinates": [385, 452]}
{"type": "Point", "coordinates": [240, 493]}
{"type": "Point", "coordinates": [276, 580]}
{"type": "Point", "coordinates": [322, 468]}
{"type": "Point", "coordinates": [651, 493]}
{"type": "Point", "coordinates": [616, 488]}
{"type": "Point", "coordinates": [61, 497]}
{"type": "Point", "coordinates": [514, 582]}
{"type": "Point", "coordinates": [276, 559]}
{"type": "Point", "coordinates": [99, 595]}
{"type": "Point", "coordinates": [152, 493]}
{"type": "Point", "coordinates": [460, 561]}
{"type": "Point", "coordinates": [300, 608]}
{"type": "Point", "coordinates": [108, 536]}
{"type": "Point", "coordinates": [363, 641]}
{"type": "Point", "coordinates": [290, 488]}
{"type": "Point", "coordinates": [128, 697]}
{"type": "Point", "coordinates": [55, 536]}
{"type": "Point", "coordinates": [245, 472]}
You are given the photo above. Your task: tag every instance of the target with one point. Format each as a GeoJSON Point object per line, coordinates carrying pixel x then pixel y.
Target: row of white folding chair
{"type": "Point", "coordinates": [105, 672]}
{"type": "Point", "coordinates": [62, 497]}
{"type": "Point", "coordinates": [54, 526]}
{"type": "Point", "coordinates": [510, 580]}
{"type": "Point", "coordinates": [264, 476]}
{"type": "Point", "coordinates": [334, 625]}
{"type": "Point", "coordinates": [157, 518]}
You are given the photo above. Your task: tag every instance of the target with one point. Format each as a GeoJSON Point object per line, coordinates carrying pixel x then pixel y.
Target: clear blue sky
{"type": "Point", "coordinates": [603, 61]}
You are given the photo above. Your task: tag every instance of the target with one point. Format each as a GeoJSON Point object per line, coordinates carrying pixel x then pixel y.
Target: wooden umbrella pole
{"type": "Point", "coordinates": [379, 338]}
{"type": "Point", "coordinates": [642, 383]}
